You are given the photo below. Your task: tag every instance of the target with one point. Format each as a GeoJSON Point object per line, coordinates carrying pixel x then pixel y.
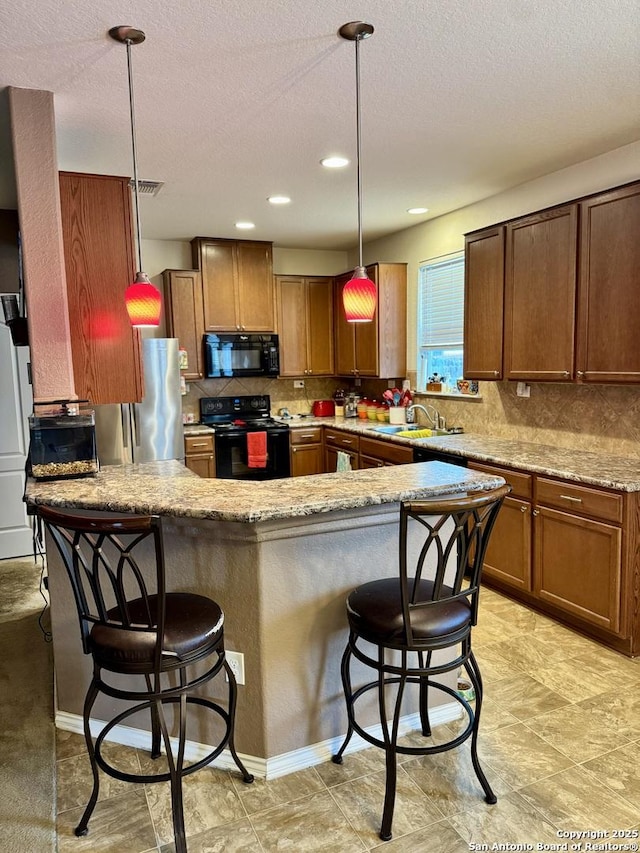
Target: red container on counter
{"type": "Point", "coordinates": [323, 409]}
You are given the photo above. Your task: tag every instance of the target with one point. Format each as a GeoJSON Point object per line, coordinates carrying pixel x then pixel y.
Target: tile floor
{"type": "Point", "coordinates": [560, 743]}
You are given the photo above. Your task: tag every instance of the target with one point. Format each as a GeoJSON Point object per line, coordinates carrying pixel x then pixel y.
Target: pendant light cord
{"type": "Point", "coordinates": [135, 155]}
{"type": "Point", "coordinates": [358, 144]}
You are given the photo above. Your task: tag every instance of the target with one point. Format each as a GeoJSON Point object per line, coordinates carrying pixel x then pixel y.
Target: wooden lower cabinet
{"type": "Point", "coordinates": [578, 566]}
{"type": "Point", "coordinates": [376, 454]}
{"type": "Point", "coordinates": [199, 455]}
{"type": "Point", "coordinates": [335, 441]}
{"type": "Point", "coordinates": [570, 551]}
{"type": "Point", "coordinates": [307, 452]}
{"type": "Point", "coordinates": [508, 557]}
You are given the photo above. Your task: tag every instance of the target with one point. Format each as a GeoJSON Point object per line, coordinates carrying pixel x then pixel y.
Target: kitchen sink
{"type": "Point", "coordinates": [391, 430]}
{"type": "Point", "coordinates": [413, 431]}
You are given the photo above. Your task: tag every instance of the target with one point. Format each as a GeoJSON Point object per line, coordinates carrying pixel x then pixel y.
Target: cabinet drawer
{"type": "Point", "coordinates": [386, 451]}
{"type": "Point", "coordinates": [521, 483]}
{"type": "Point", "coordinates": [198, 444]}
{"type": "Point", "coordinates": [579, 499]}
{"type": "Point", "coordinates": [335, 438]}
{"type": "Point", "coordinates": [313, 435]}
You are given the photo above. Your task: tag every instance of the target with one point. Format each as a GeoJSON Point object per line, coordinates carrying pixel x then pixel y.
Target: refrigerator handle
{"type": "Point", "coordinates": [125, 425]}
{"type": "Point", "coordinates": [135, 441]}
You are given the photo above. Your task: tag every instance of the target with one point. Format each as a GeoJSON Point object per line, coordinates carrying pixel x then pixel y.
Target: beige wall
{"type": "Point", "coordinates": [159, 255]}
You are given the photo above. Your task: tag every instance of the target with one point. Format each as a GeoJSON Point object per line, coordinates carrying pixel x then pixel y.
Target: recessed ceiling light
{"type": "Point", "coordinates": [334, 162]}
{"type": "Point", "coordinates": [418, 210]}
{"type": "Point", "coordinates": [245, 226]}
{"type": "Point", "coordinates": [279, 199]}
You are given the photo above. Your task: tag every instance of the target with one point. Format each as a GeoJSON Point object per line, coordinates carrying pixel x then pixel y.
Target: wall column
{"type": "Point", "coordinates": [34, 150]}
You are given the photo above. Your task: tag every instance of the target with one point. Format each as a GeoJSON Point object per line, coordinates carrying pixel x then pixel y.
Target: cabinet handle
{"type": "Point", "coordinates": [535, 512]}
{"type": "Point", "coordinates": [523, 509]}
{"type": "Point", "coordinates": [496, 373]}
{"type": "Point", "coordinates": [200, 444]}
{"type": "Point", "coordinates": [571, 498]}
{"type": "Point", "coordinates": [346, 441]}
{"type": "Point", "coordinates": [308, 435]}
{"type": "Point", "coordinates": [580, 373]}
{"type": "Point", "coordinates": [566, 374]}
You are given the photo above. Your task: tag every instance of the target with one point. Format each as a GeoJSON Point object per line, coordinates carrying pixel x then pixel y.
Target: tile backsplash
{"type": "Point", "coordinates": [605, 418]}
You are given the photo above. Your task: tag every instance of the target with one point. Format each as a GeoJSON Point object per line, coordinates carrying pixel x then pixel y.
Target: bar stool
{"type": "Point", "coordinates": [132, 626]}
{"type": "Point", "coordinates": [419, 624]}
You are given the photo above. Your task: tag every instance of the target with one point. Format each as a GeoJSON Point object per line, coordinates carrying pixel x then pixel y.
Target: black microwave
{"type": "Point", "coordinates": [241, 355]}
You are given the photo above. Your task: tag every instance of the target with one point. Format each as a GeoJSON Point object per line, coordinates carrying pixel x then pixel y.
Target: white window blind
{"type": "Point", "coordinates": [441, 302]}
{"type": "Point", "coordinates": [440, 320]}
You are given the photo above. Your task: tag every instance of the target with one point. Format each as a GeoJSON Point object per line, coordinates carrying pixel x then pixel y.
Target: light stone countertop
{"type": "Point", "coordinates": [168, 488]}
{"type": "Point", "coordinates": [583, 466]}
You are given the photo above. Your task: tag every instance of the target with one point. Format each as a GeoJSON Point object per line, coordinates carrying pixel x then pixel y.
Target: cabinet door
{"type": "Point", "coordinates": [540, 295]}
{"type": "Point", "coordinates": [203, 465]}
{"type": "Point", "coordinates": [609, 288]}
{"type": "Point", "coordinates": [307, 460]}
{"type": "Point", "coordinates": [508, 557]}
{"type": "Point", "coordinates": [331, 459]}
{"type": "Point", "coordinates": [99, 262]}
{"type": "Point", "coordinates": [216, 260]}
{"type": "Point", "coordinates": [256, 298]}
{"type": "Point", "coordinates": [292, 325]}
{"type": "Point", "coordinates": [484, 303]}
{"type": "Point", "coordinates": [391, 315]}
{"type": "Point", "coordinates": [184, 314]}
{"type": "Point", "coordinates": [366, 336]}
{"type": "Point", "coordinates": [578, 566]}
{"type": "Point", "coordinates": [319, 324]}
{"type": "Point", "coordinates": [345, 353]}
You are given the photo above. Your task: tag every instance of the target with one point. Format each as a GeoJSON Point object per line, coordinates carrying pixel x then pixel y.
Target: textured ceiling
{"type": "Point", "coordinates": [239, 100]}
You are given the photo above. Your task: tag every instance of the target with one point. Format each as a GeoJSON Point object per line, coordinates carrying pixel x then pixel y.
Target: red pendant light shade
{"type": "Point", "coordinates": [143, 302]}
{"type": "Point", "coordinates": [359, 297]}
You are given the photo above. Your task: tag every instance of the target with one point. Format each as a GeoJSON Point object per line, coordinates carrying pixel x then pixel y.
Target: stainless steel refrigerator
{"type": "Point", "coordinates": [151, 430]}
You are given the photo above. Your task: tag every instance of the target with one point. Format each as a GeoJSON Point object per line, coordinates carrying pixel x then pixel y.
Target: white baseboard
{"type": "Point", "coordinates": [263, 768]}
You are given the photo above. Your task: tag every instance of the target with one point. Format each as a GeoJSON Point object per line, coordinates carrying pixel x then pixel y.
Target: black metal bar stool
{"type": "Point", "coordinates": [419, 625]}
{"type": "Point", "coordinates": [132, 626]}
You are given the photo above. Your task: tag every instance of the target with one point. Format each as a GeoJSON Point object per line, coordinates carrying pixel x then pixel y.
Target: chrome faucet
{"type": "Point", "coordinates": [436, 420]}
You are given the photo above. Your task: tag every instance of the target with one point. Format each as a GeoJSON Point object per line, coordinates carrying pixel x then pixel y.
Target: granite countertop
{"type": "Point", "coordinates": [583, 466]}
{"type": "Point", "coordinates": [168, 488]}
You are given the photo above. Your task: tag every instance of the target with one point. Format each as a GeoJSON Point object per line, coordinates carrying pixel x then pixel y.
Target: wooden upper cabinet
{"type": "Point", "coordinates": [608, 345]}
{"type": "Point", "coordinates": [378, 348]}
{"type": "Point", "coordinates": [184, 315]}
{"type": "Point", "coordinates": [305, 324]}
{"type": "Point", "coordinates": [484, 303]}
{"type": "Point", "coordinates": [237, 281]}
{"type": "Point", "coordinates": [540, 295]}
{"type": "Point", "coordinates": [99, 262]}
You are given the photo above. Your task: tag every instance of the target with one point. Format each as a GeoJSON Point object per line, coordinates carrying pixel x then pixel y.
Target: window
{"type": "Point", "coordinates": [440, 319]}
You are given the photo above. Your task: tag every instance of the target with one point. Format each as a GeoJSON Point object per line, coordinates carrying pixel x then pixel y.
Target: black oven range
{"type": "Point", "coordinates": [249, 443]}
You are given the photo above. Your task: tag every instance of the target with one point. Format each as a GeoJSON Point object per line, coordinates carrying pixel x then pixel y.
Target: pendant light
{"type": "Point", "coordinates": [359, 294]}
{"type": "Point", "coordinates": [142, 299]}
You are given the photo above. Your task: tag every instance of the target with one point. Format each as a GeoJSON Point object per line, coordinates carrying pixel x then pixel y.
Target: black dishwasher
{"type": "Point", "coordinates": [426, 454]}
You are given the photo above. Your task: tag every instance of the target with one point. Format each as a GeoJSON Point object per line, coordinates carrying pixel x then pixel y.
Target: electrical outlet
{"type": "Point", "coordinates": [236, 662]}
{"type": "Point", "coordinates": [298, 383]}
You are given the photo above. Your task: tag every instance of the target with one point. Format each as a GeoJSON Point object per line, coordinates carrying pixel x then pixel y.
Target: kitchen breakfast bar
{"type": "Point", "coordinates": [280, 557]}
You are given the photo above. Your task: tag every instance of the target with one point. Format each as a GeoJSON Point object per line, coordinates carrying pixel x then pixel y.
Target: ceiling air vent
{"type": "Point", "coordinates": [148, 187]}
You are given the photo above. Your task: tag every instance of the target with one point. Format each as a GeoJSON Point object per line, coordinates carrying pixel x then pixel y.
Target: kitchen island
{"type": "Point", "coordinates": [280, 557]}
